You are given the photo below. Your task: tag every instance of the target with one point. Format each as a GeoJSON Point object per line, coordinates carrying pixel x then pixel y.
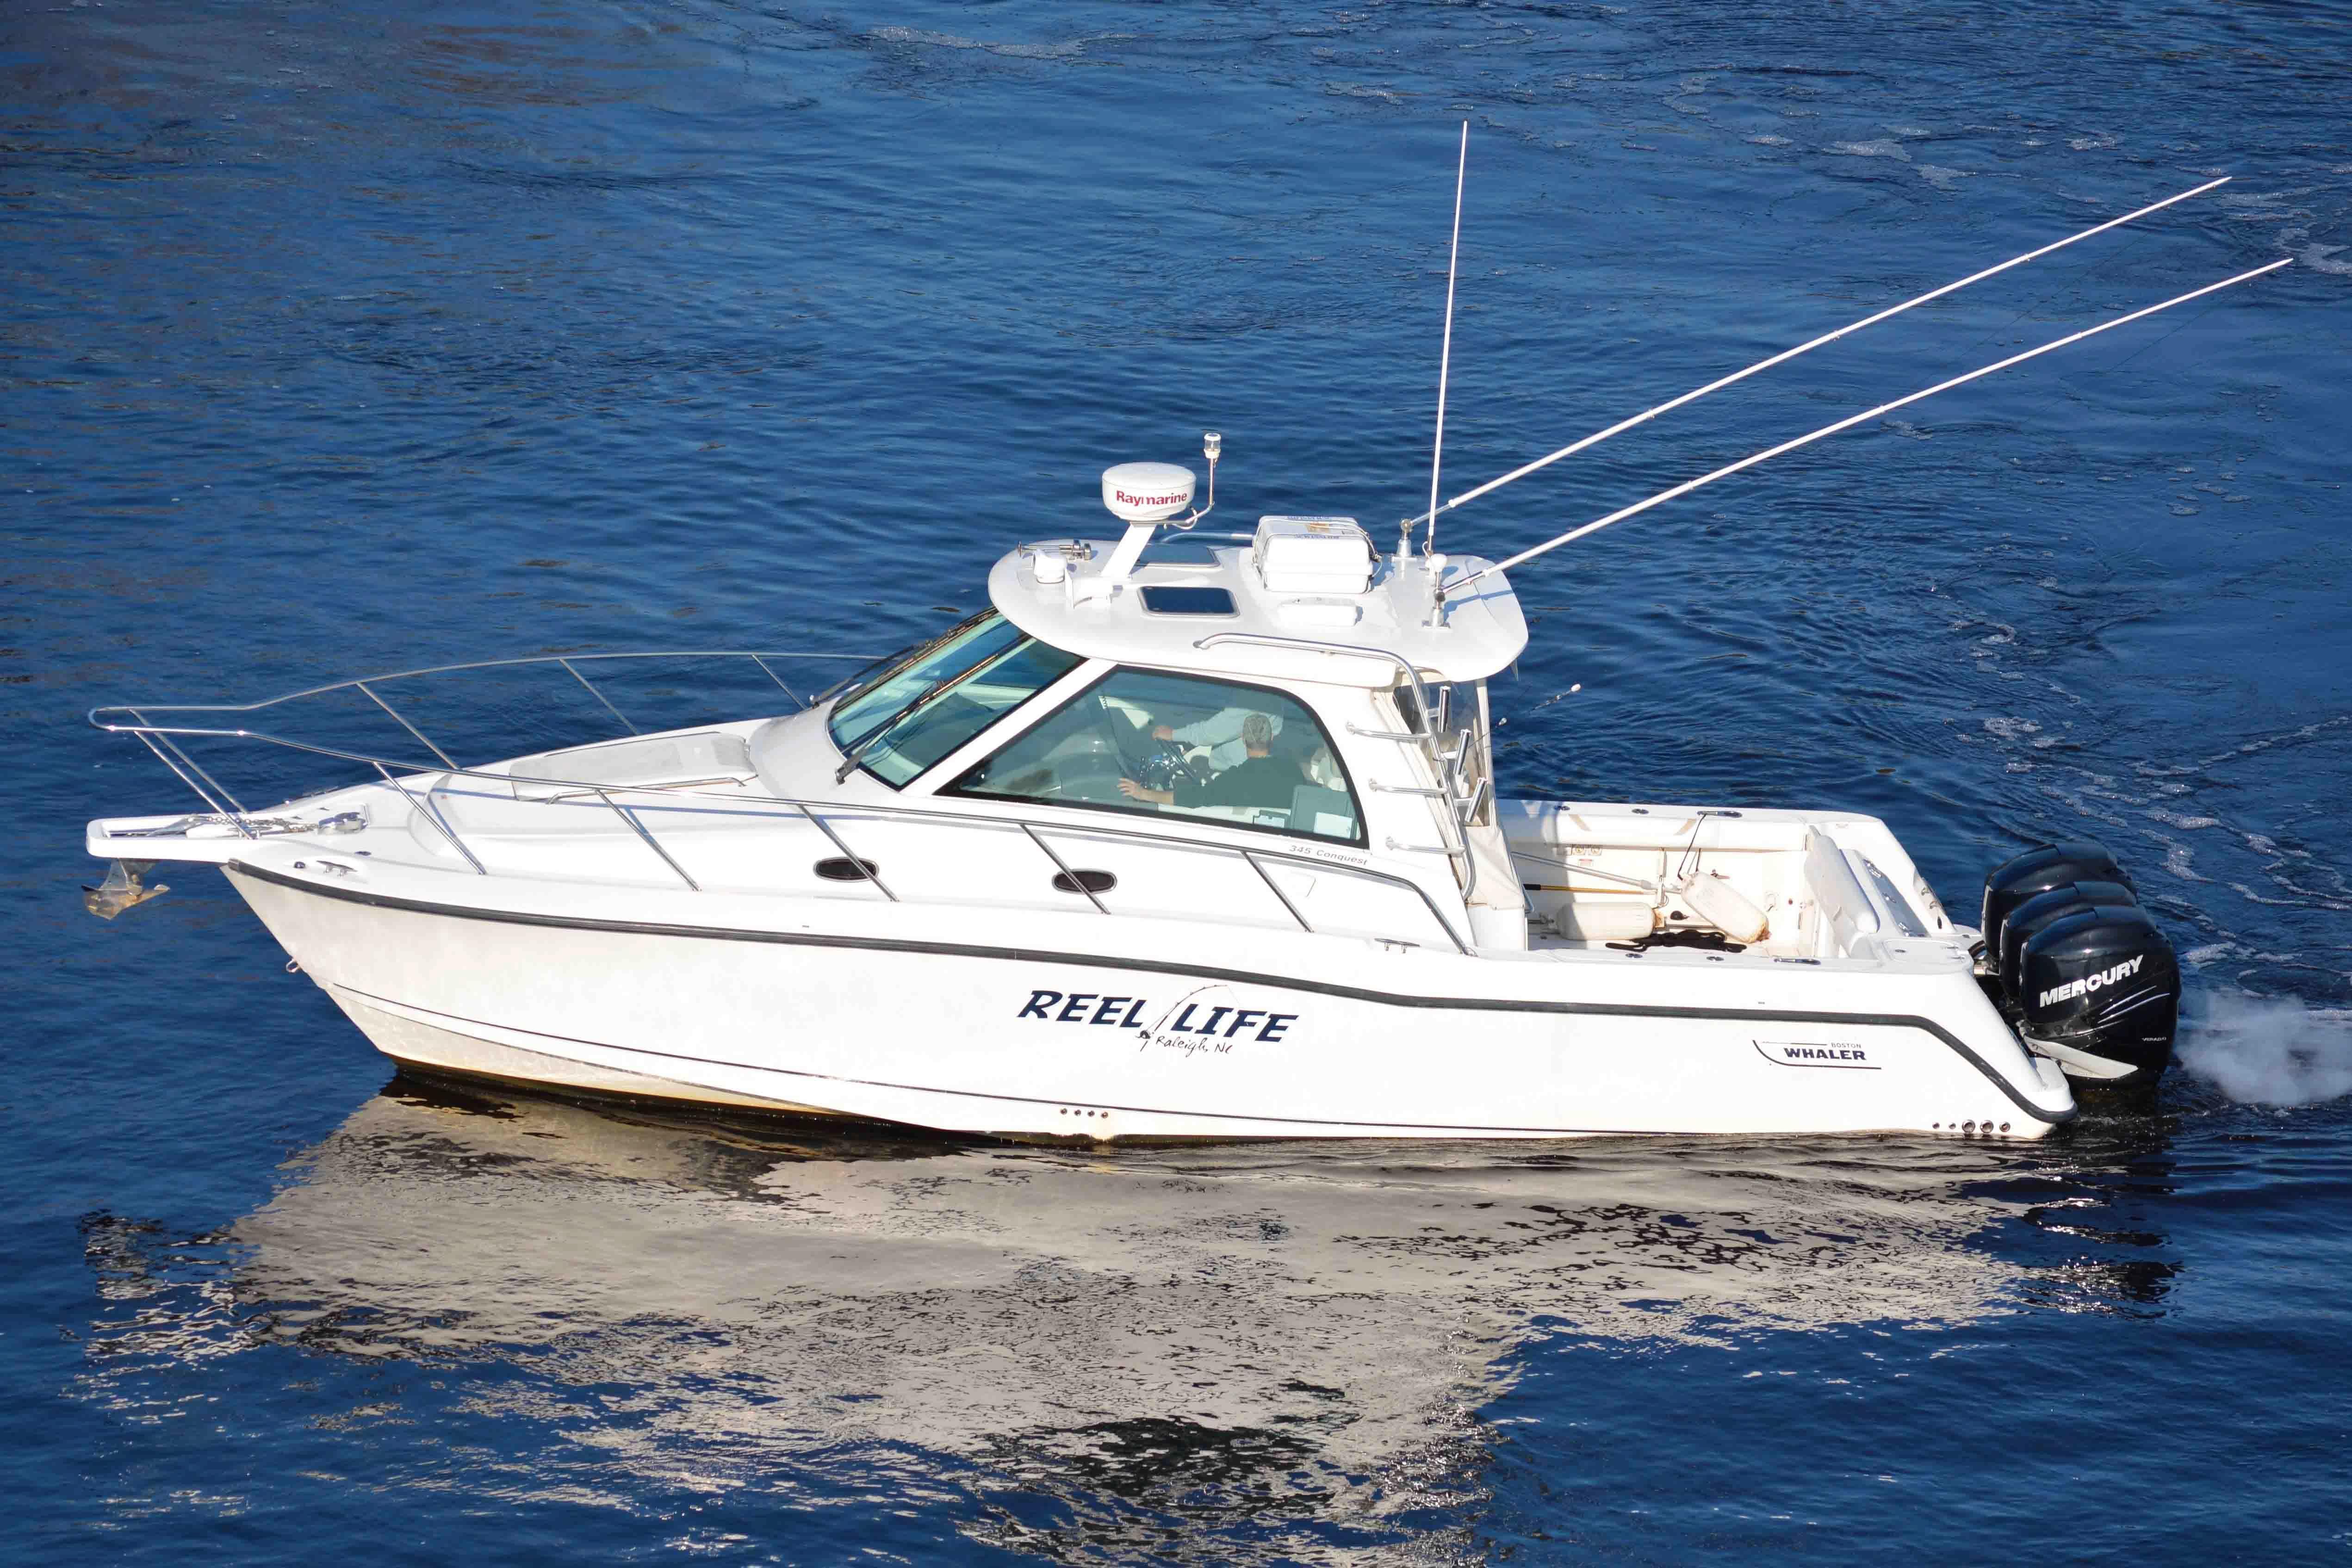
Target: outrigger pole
{"type": "Point", "coordinates": [1545, 461]}
{"type": "Point", "coordinates": [1444, 352]}
{"type": "Point", "coordinates": [1688, 485]}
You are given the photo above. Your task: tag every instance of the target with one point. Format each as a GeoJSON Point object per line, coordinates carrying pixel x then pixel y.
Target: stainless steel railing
{"type": "Point", "coordinates": [160, 738]}
{"type": "Point", "coordinates": [163, 739]}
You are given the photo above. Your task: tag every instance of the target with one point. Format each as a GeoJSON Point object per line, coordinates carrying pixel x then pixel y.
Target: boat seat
{"type": "Point", "coordinates": [1848, 920]}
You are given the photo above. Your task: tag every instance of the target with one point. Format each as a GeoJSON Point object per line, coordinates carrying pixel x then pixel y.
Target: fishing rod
{"type": "Point", "coordinates": [1444, 591]}
{"type": "Point", "coordinates": [1435, 511]}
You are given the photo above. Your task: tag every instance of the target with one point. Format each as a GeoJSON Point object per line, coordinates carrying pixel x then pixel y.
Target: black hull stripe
{"type": "Point", "coordinates": [1152, 965]}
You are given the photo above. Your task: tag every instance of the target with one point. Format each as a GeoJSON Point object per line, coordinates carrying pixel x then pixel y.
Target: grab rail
{"type": "Point", "coordinates": [738, 800]}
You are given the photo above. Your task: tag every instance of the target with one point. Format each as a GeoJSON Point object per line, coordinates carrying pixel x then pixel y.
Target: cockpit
{"type": "Point", "coordinates": [1142, 741]}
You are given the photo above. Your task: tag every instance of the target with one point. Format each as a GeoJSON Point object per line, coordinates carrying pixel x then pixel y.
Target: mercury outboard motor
{"type": "Point", "coordinates": [2102, 982]}
{"type": "Point", "coordinates": [2026, 921]}
{"type": "Point", "coordinates": [2038, 870]}
{"type": "Point", "coordinates": [2078, 965]}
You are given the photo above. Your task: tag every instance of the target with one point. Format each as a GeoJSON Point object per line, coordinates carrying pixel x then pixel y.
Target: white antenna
{"type": "Point", "coordinates": [1688, 485]}
{"type": "Point", "coordinates": [1785, 355]}
{"type": "Point", "coordinates": [1444, 355]}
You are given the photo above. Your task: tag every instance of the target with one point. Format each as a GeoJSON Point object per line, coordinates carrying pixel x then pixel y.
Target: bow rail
{"type": "Point", "coordinates": [160, 738]}
{"type": "Point", "coordinates": [401, 774]}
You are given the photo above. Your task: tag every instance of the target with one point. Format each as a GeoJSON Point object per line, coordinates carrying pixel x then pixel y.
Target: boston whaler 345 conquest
{"type": "Point", "coordinates": [1186, 835]}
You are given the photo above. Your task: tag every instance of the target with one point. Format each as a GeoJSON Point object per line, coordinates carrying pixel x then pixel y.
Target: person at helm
{"type": "Point", "coordinates": [1260, 780]}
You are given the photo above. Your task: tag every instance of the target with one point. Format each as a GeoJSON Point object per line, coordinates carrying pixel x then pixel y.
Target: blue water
{"type": "Point", "coordinates": [339, 341]}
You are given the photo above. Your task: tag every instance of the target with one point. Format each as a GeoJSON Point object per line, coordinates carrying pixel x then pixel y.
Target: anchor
{"type": "Point", "coordinates": [121, 889]}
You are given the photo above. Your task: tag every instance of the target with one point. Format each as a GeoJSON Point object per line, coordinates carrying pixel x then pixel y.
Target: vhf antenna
{"type": "Point", "coordinates": [1444, 359]}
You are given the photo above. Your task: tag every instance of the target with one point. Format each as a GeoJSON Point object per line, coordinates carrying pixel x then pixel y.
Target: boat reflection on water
{"type": "Point", "coordinates": [1154, 1327]}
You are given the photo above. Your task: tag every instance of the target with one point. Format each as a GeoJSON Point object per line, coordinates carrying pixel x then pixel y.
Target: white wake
{"type": "Point", "coordinates": [2269, 1050]}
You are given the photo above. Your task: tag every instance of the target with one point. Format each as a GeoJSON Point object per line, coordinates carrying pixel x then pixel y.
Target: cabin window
{"type": "Point", "coordinates": [939, 694]}
{"type": "Point", "coordinates": [1179, 745]}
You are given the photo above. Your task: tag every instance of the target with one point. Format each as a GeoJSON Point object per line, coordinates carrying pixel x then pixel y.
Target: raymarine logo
{"type": "Point", "coordinates": [1177, 499]}
{"type": "Point", "coordinates": [2089, 983]}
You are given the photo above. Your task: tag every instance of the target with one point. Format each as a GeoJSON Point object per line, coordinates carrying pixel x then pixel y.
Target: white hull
{"type": "Point", "coordinates": [1066, 1025]}
{"type": "Point", "coordinates": [1266, 763]}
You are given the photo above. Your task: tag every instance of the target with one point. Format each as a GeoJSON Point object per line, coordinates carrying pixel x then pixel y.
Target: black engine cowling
{"type": "Point", "coordinates": [2027, 919]}
{"type": "Point", "coordinates": [2102, 980]}
{"type": "Point", "coordinates": [2077, 963]}
{"type": "Point", "coordinates": [2039, 870]}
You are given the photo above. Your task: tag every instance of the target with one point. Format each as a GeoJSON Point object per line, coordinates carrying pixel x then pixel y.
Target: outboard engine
{"type": "Point", "coordinates": [2079, 966]}
{"type": "Point", "coordinates": [2027, 919]}
{"type": "Point", "coordinates": [2036, 872]}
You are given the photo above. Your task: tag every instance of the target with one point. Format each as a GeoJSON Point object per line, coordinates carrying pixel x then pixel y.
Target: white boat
{"type": "Point", "coordinates": [1185, 836]}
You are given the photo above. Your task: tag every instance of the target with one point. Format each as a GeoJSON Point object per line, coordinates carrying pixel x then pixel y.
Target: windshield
{"type": "Point", "coordinates": [942, 693]}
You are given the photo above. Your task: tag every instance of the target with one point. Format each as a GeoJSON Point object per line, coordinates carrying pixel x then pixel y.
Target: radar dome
{"type": "Point", "coordinates": [1146, 492]}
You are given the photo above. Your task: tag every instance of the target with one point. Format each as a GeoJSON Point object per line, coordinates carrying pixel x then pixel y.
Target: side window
{"type": "Point", "coordinates": [1179, 745]}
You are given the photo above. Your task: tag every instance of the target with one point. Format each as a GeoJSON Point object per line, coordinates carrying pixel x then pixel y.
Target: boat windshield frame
{"type": "Point", "coordinates": [890, 664]}
{"type": "Point", "coordinates": [874, 741]}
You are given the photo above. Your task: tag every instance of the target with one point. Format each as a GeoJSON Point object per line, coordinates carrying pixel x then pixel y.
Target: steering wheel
{"type": "Point", "coordinates": [1090, 774]}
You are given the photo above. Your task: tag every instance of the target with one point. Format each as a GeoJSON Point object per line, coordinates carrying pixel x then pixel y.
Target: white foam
{"type": "Point", "coordinates": [2270, 1051]}
{"type": "Point", "coordinates": [2320, 258]}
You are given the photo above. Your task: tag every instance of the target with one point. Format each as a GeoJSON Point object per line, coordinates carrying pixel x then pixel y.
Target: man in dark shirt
{"type": "Point", "coordinates": [1260, 780]}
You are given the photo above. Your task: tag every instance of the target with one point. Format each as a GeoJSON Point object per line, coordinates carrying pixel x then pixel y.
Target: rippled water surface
{"type": "Point", "coordinates": [336, 341]}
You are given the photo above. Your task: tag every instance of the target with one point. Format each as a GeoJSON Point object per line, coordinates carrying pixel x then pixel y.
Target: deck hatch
{"type": "Point", "coordinates": [1170, 598]}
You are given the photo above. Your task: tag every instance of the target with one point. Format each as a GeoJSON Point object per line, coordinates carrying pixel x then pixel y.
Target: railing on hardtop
{"type": "Point", "coordinates": [163, 739]}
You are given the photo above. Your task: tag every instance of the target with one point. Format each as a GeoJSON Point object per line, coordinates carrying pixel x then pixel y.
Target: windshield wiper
{"type": "Point", "coordinates": [923, 698]}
